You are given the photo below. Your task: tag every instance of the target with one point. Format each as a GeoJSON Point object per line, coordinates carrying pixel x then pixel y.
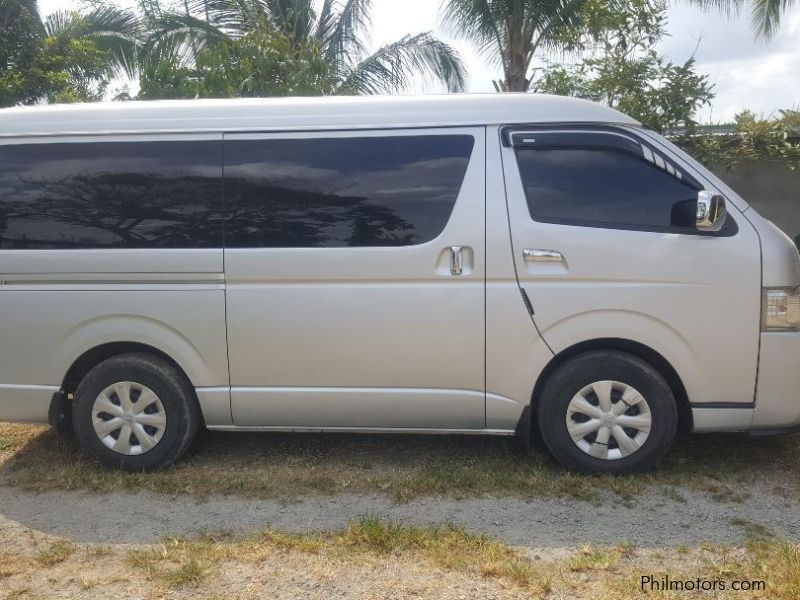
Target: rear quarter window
{"type": "Point", "coordinates": [111, 195]}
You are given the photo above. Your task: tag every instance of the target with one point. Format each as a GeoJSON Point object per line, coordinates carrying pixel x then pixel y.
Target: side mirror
{"type": "Point", "coordinates": [711, 211]}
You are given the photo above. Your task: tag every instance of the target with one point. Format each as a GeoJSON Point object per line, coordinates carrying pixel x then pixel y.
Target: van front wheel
{"type": "Point", "coordinates": [135, 412]}
{"type": "Point", "coordinates": [607, 412]}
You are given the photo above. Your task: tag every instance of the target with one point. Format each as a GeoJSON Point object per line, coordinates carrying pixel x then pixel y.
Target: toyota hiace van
{"type": "Point", "coordinates": [503, 264]}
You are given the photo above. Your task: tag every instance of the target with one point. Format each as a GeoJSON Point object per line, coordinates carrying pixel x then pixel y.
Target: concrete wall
{"type": "Point", "coordinates": [771, 188]}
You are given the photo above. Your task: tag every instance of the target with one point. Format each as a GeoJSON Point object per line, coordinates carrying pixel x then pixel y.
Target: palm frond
{"type": "Point", "coordinates": [295, 18]}
{"type": "Point", "coordinates": [729, 8]}
{"type": "Point", "coordinates": [478, 22]}
{"type": "Point", "coordinates": [112, 29]}
{"type": "Point", "coordinates": [234, 17]}
{"type": "Point", "coordinates": [179, 38]}
{"type": "Point", "coordinates": [340, 30]}
{"type": "Point", "coordinates": [765, 16]}
{"type": "Point", "coordinates": [393, 67]}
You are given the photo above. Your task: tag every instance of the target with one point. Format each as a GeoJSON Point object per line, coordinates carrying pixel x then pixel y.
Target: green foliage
{"type": "Point", "coordinates": [70, 57]}
{"type": "Point", "coordinates": [263, 62]}
{"type": "Point", "coordinates": [71, 70]}
{"type": "Point", "coordinates": [620, 68]}
{"type": "Point", "coordinates": [753, 138]}
{"type": "Point", "coordinates": [167, 78]}
{"type": "Point", "coordinates": [21, 32]}
{"type": "Point", "coordinates": [282, 47]}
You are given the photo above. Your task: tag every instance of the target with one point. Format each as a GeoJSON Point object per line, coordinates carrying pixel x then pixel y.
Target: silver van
{"type": "Point", "coordinates": [500, 264]}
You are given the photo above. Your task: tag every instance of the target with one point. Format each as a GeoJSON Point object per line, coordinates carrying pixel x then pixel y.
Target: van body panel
{"type": "Point", "coordinates": [779, 256]}
{"type": "Point", "coordinates": [95, 281]}
{"type": "Point", "coordinates": [719, 419]}
{"type": "Point", "coordinates": [196, 265]}
{"type": "Point", "coordinates": [300, 114]}
{"type": "Point", "coordinates": [56, 326]}
{"type": "Point", "coordinates": [391, 324]}
{"type": "Point", "coordinates": [679, 294]}
{"type": "Point", "coordinates": [515, 353]}
{"type": "Point", "coordinates": [26, 403]}
{"type": "Point", "coordinates": [359, 407]}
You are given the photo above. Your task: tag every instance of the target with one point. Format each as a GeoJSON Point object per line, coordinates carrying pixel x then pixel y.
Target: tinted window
{"type": "Point", "coordinates": [603, 186]}
{"type": "Point", "coordinates": [111, 195]}
{"type": "Point", "coordinates": [368, 191]}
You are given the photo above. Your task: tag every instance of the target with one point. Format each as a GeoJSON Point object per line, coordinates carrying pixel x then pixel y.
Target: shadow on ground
{"type": "Point", "coordinates": [291, 466]}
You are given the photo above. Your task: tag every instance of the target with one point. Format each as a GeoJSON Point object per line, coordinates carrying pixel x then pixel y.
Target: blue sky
{"type": "Point", "coordinates": [747, 73]}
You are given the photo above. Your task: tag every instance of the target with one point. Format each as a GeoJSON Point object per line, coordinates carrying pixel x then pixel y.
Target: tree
{"type": "Point", "coordinates": [69, 57]}
{"type": "Point", "coordinates": [765, 15]}
{"type": "Point", "coordinates": [335, 35]}
{"type": "Point", "coordinates": [21, 32]}
{"type": "Point", "coordinates": [512, 32]}
{"type": "Point", "coordinates": [262, 62]}
{"type": "Point", "coordinates": [620, 68]}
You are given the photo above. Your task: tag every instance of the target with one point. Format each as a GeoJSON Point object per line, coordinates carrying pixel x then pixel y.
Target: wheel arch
{"type": "Point", "coordinates": [60, 412]}
{"type": "Point", "coordinates": [652, 357]}
{"type": "Point", "coordinates": [94, 356]}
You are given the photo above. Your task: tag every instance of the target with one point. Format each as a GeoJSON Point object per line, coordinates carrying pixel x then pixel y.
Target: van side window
{"type": "Point", "coordinates": [111, 195]}
{"type": "Point", "coordinates": [342, 192]}
{"type": "Point", "coordinates": [597, 186]}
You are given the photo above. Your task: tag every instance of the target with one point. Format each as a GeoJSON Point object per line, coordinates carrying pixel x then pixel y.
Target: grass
{"type": "Point", "coordinates": [592, 558]}
{"type": "Point", "coordinates": [755, 532]}
{"type": "Point", "coordinates": [292, 466]}
{"type": "Point", "coordinates": [56, 552]}
{"type": "Point", "coordinates": [198, 567]}
{"type": "Point", "coordinates": [183, 562]}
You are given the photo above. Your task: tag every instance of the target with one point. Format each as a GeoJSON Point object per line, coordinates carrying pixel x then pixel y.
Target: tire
{"type": "Point", "coordinates": [572, 429]}
{"type": "Point", "coordinates": [166, 425]}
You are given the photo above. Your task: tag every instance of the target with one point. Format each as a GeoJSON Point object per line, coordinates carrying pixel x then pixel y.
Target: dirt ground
{"type": "Point", "coordinates": [69, 540]}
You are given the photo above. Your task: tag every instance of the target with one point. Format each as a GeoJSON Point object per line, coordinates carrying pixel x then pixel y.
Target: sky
{"type": "Point", "coordinates": [761, 76]}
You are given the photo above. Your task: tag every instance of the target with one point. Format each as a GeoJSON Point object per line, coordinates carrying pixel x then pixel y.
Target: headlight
{"type": "Point", "coordinates": [781, 309]}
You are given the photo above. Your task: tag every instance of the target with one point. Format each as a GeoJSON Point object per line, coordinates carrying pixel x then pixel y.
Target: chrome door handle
{"type": "Point", "coordinates": [456, 260]}
{"type": "Point", "coordinates": [537, 255]}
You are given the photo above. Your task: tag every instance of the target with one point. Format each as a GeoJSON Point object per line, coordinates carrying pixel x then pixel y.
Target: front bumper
{"type": "Point", "coordinates": [778, 390]}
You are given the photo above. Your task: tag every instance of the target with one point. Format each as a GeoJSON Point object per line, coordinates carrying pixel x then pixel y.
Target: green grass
{"type": "Point", "coordinates": [184, 562]}
{"type": "Point", "coordinates": [602, 573]}
{"type": "Point", "coordinates": [292, 466]}
{"type": "Point", "coordinates": [55, 552]}
{"type": "Point", "coordinates": [197, 567]}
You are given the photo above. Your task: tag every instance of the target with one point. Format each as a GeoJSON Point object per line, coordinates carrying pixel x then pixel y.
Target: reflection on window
{"type": "Point", "coordinates": [368, 191]}
{"type": "Point", "coordinates": [586, 186]}
{"type": "Point", "coordinates": [111, 195]}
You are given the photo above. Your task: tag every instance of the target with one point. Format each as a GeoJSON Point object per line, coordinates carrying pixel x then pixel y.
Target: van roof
{"type": "Point", "coordinates": [339, 112]}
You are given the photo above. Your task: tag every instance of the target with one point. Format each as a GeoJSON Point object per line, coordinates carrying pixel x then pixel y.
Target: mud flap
{"type": "Point", "coordinates": [60, 414]}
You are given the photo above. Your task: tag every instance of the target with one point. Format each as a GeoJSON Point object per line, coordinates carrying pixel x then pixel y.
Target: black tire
{"type": "Point", "coordinates": [167, 382]}
{"type": "Point", "coordinates": [583, 370]}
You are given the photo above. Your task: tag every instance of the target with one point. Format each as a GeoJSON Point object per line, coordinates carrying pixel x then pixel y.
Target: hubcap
{"type": "Point", "coordinates": [609, 420]}
{"type": "Point", "coordinates": [129, 418]}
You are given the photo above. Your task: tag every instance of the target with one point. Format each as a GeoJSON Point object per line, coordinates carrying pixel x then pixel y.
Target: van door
{"type": "Point", "coordinates": [605, 247]}
{"type": "Point", "coordinates": [354, 269]}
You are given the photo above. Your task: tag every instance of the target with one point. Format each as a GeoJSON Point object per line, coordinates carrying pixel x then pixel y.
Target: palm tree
{"type": "Point", "coordinates": [66, 56]}
{"type": "Point", "coordinates": [765, 15]}
{"type": "Point", "coordinates": [114, 31]}
{"type": "Point", "coordinates": [511, 32]}
{"type": "Point", "coordinates": [337, 30]}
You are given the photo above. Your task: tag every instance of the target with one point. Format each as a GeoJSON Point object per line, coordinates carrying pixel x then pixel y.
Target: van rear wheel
{"type": "Point", "coordinates": [607, 412]}
{"type": "Point", "coordinates": [135, 412]}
